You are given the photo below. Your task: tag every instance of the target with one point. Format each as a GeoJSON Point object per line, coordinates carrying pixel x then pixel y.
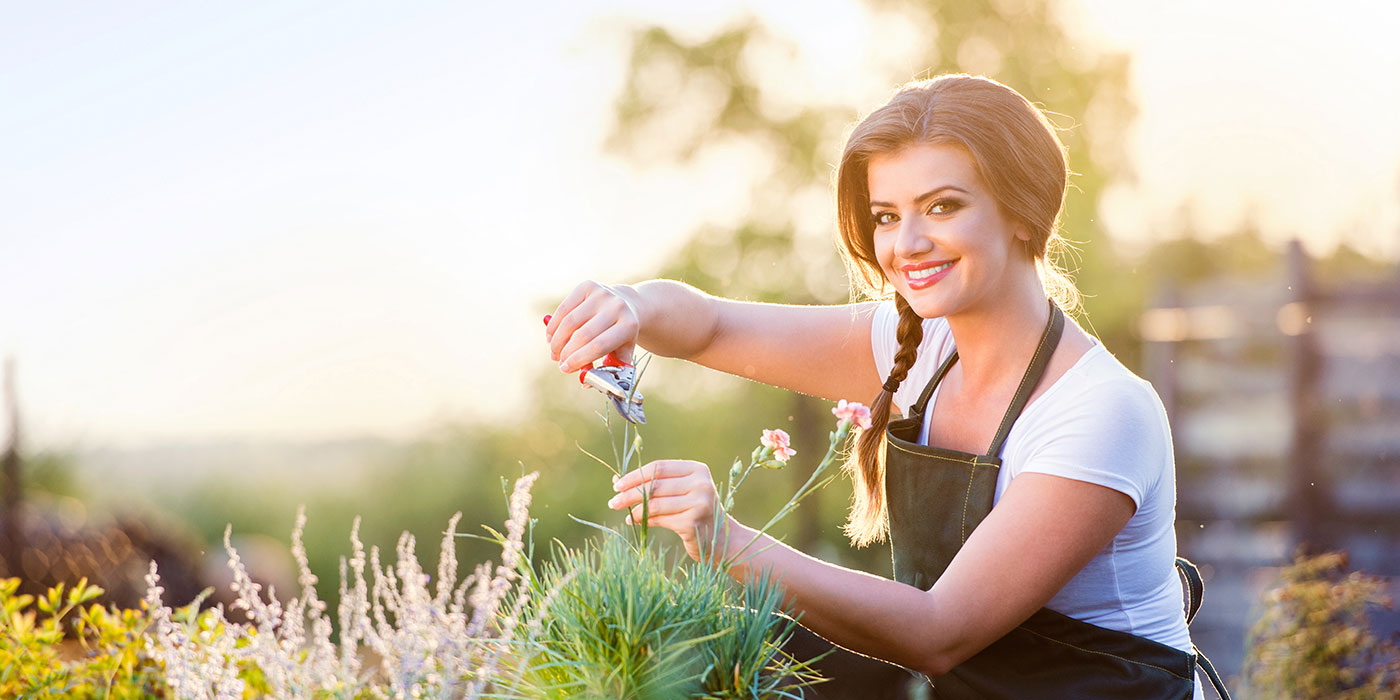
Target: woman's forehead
{"type": "Point", "coordinates": [916, 169]}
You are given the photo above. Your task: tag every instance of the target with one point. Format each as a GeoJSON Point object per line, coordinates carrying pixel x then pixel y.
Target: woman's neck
{"type": "Point", "coordinates": [996, 340]}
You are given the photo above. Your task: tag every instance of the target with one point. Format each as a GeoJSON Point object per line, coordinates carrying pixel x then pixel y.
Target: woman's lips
{"type": "Point", "coordinates": [924, 276]}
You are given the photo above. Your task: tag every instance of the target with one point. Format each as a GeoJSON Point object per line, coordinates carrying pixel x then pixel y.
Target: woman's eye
{"type": "Point", "coordinates": [944, 206]}
{"type": "Point", "coordinates": [882, 218]}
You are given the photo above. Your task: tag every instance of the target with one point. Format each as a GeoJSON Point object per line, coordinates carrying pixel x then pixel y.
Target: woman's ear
{"type": "Point", "coordinates": [1023, 233]}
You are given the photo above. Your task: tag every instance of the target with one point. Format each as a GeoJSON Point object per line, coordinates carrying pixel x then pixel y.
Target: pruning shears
{"type": "Point", "coordinates": [617, 380]}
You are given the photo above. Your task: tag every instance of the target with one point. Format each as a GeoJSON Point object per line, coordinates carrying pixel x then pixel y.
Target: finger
{"type": "Point", "coordinates": [586, 334]}
{"type": "Point", "coordinates": [668, 505]}
{"type": "Point", "coordinates": [683, 525]}
{"type": "Point", "coordinates": [617, 338]}
{"type": "Point", "coordinates": [659, 469]}
{"type": "Point", "coordinates": [574, 298]}
{"type": "Point", "coordinates": [576, 318]}
{"type": "Point", "coordinates": [624, 351]}
{"type": "Point", "coordinates": [660, 488]}
{"type": "Point", "coordinates": [604, 310]}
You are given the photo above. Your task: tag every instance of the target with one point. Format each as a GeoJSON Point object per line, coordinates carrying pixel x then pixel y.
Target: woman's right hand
{"type": "Point", "coordinates": [592, 321]}
{"type": "Point", "coordinates": [817, 350]}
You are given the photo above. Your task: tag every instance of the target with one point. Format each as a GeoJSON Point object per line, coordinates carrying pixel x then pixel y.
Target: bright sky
{"type": "Point", "coordinates": [316, 219]}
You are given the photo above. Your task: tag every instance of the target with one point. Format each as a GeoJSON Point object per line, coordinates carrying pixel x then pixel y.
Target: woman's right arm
{"type": "Point", "coordinates": [819, 350]}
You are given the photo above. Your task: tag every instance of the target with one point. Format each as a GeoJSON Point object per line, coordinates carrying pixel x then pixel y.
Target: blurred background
{"type": "Point", "coordinates": [288, 253]}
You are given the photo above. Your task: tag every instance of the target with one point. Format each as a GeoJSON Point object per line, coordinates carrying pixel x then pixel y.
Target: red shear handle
{"type": "Point", "coordinates": [610, 361]}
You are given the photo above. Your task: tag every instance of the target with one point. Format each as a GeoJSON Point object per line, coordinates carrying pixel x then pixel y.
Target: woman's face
{"type": "Point", "coordinates": [940, 237]}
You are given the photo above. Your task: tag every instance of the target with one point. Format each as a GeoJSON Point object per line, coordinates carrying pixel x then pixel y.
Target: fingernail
{"type": "Point", "coordinates": [612, 502]}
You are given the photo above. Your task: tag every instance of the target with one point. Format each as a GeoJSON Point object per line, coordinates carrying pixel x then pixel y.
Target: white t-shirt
{"type": "Point", "coordinates": [1098, 423]}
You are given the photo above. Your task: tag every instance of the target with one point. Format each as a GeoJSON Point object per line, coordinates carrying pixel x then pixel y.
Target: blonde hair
{"type": "Point", "coordinates": [1023, 162]}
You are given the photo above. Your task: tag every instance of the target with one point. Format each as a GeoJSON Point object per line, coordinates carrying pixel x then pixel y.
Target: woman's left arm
{"type": "Point", "coordinates": [1041, 533]}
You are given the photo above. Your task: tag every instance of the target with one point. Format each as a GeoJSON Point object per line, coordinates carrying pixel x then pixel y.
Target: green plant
{"type": "Point", "coordinates": [399, 636]}
{"type": "Point", "coordinates": [1313, 640]}
{"type": "Point", "coordinates": [630, 622]}
{"type": "Point", "coordinates": [105, 656]}
{"type": "Point", "coordinates": [627, 624]}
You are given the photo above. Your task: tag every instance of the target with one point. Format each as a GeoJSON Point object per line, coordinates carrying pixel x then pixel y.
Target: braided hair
{"type": "Point", "coordinates": [867, 465]}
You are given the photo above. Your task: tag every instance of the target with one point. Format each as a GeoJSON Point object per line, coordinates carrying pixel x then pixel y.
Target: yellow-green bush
{"type": "Point", "coordinates": [1313, 640]}
{"type": "Point", "coordinates": [47, 651]}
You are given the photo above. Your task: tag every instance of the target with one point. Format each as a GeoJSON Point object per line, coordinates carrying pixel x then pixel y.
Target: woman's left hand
{"type": "Point", "coordinates": [681, 498]}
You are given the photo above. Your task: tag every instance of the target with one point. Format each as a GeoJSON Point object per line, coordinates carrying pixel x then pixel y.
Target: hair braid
{"type": "Point", "coordinates": [868, 520]}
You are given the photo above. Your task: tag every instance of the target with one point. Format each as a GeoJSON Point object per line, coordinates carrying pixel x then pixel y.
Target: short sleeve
{"type": "Point", "coordinates": [1113, 434]}
{"type": "Point", "coordinates": [936, 345]}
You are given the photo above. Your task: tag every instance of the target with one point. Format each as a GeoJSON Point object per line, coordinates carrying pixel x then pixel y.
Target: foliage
{"type": "Point", "coordinates": [50, 472]}
{"type": "Point", "coordinates": [444, 642]}
{"type": "Point", "coordinates": [1313, 640]}
{"type": "Point", "coordinates": [628, 624]}
{"type": "Point", "coordinates": [104, 657]}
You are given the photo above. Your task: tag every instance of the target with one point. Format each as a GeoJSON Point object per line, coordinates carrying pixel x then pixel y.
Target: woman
{"type": "Point", "coordinates": [948, 196]}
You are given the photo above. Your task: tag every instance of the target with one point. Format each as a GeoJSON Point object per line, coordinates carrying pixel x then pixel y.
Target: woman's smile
{"type": "Point", "coordinates": [926, 274]}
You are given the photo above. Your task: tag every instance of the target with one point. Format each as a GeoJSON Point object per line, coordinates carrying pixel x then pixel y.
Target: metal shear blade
{"type": "Point", "coordinates": [617, 383]}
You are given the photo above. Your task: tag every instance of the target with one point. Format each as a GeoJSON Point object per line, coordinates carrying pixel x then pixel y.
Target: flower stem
{"type": "Point", "coordinates": [816, 481]}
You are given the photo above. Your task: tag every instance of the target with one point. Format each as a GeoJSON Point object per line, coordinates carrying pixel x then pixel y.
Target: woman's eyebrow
{"type": "Point", "coordinates": [924, 196]}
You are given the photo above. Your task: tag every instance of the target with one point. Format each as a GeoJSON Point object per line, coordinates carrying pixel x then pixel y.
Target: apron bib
{"type": "Point", "coordinates": [937, 497]}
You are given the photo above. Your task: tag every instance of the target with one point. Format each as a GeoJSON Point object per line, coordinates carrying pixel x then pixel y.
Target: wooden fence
{"type": "Point", "coordinates": [1284, 398]}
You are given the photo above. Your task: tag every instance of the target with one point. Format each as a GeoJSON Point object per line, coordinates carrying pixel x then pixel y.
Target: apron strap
{"type": "Point", "coordinates": [1054, 327]}
{"type": "Point", "coordinates": [1215, 680]}
{"type": "Point", "coordinates": [1195, 592]}
{"type": "Point", "coordinates": [1195, 588]}
{"type": "Point", "coordinates": [917, 410]}
{"type": "Point", "coordinates": [1049, 340]}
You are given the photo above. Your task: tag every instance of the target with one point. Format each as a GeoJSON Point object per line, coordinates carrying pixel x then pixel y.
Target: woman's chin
{"type": "Point", "coordinates": [925, 303]}
{"type": "Point", "coordinates": [929, 310]}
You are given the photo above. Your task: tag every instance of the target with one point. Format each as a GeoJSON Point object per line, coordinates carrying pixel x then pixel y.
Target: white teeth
{"type": "Point", "coordinates": [928, 271]}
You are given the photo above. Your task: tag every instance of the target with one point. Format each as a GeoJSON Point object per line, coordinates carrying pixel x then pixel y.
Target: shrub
{"type": "Point", "coordinates": [109, 646]}
{"type": "Point", "coordinates": [442, 642]}
{"type": "Point", "coordinates": [1313, 640]}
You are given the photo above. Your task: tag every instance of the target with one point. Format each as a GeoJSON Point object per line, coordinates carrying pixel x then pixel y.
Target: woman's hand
{"type": "Point", "coordinates": [817, 350]}
{"type": "Point", "coordinates": [594, 320]}
{"type": "Point", "coordinates": [682, 498]}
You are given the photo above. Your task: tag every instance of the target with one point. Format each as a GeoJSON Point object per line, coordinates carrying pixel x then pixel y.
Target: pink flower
{"type": "Point", "coordinates": [779, 442]}
{"type": "Point", "coordinates": [852, 412]}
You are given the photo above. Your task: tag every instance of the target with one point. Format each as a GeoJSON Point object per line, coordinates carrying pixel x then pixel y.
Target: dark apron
{"type": "Point", "coordinates": [937, 497]}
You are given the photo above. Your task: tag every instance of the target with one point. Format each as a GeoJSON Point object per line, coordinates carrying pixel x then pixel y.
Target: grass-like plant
{"type": "Point", "coordinates": [630, 620]}
{"type": "Point", "coordinates": [400, 637]}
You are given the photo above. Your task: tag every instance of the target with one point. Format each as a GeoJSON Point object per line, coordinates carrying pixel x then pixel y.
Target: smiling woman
{"type": "Point", "coordinates": [1029, 490]}
{"type": "Point", "coordinates": [935, 192]}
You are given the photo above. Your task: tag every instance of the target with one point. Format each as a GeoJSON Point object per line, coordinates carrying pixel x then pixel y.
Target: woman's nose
{"type": "Point", "coordinates": [913, 240]}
